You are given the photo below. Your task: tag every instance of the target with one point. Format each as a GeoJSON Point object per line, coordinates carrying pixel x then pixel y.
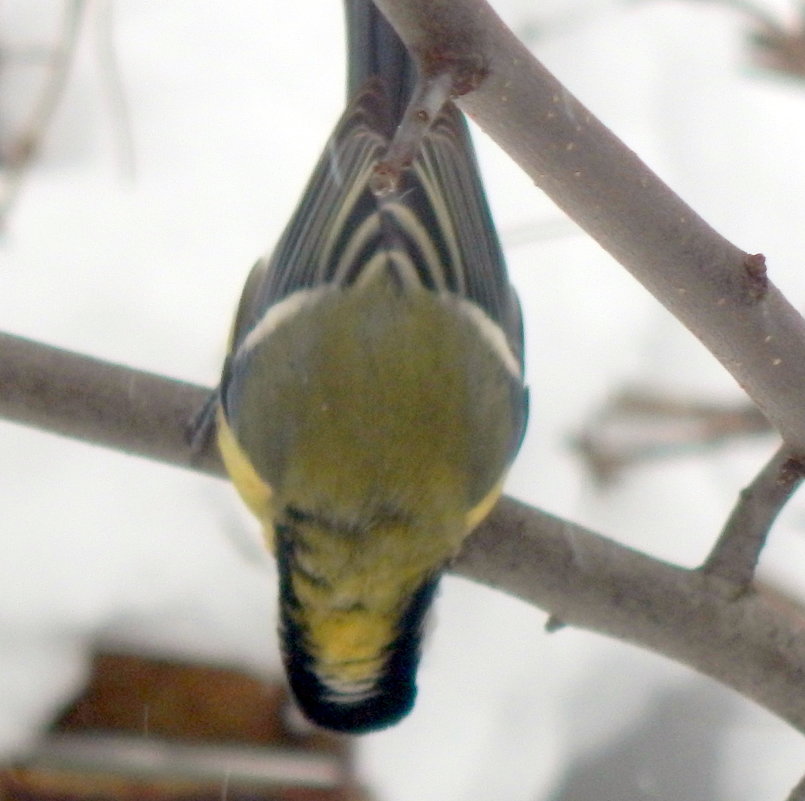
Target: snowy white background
{"type": "Point", "coordinates": [230, 104]}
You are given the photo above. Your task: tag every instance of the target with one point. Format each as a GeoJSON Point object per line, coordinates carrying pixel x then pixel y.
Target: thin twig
{"type": "Point", "coordinates": [735, 555]}
{"type": "Point", "coordinates": [25, 145]}
{"type": "Point", "coordinates": [112, 76]}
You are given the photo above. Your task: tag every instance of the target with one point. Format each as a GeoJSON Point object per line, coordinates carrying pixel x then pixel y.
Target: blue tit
{"type": "Point", "coordinates": [373, 397]}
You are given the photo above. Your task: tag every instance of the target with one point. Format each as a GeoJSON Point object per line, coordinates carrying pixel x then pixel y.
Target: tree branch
{"type": "Point", "coordinates": [720, 293]}
{"type": "Point", "coordinates": [751, 644]}
{"type": "Point", "coordinates": [735, 555]}
{"type": "Point", "coordinates": [95, 401]}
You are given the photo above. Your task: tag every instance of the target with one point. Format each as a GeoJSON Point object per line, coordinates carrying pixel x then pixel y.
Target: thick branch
{"type": "Point", "coordinates": [586, 580]}
{"type": "Point", "coordinates": [719, 292]}
{"type": "Point", "coordinates": [583, 579]}
{"type": "Point", "coordinates": [99, 402]}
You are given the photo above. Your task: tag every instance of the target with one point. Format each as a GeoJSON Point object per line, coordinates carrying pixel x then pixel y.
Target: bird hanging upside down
{"type": "Point", "coordinates": [373, 396]}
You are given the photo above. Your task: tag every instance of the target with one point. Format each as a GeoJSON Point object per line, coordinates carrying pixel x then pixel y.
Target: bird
{"type": "Point", "coordinates": [373, 396]}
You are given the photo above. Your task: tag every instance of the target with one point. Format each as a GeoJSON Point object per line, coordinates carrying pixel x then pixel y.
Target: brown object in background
{"type": "Point", "coordinates": [154, 730]}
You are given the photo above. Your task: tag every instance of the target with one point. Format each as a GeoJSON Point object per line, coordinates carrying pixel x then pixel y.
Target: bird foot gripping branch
{"type": "Point", "coordinates": [429, 97]}
{"type": "Point", "coordinates": [442, 79]}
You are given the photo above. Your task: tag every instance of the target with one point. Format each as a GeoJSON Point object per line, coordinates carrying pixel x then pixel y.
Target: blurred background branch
{"type": "Point", "coordinates": [19, 152]}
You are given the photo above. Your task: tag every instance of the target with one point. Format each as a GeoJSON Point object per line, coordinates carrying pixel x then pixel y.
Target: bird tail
{"type": "Point", "coordinates": [375, 51]}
